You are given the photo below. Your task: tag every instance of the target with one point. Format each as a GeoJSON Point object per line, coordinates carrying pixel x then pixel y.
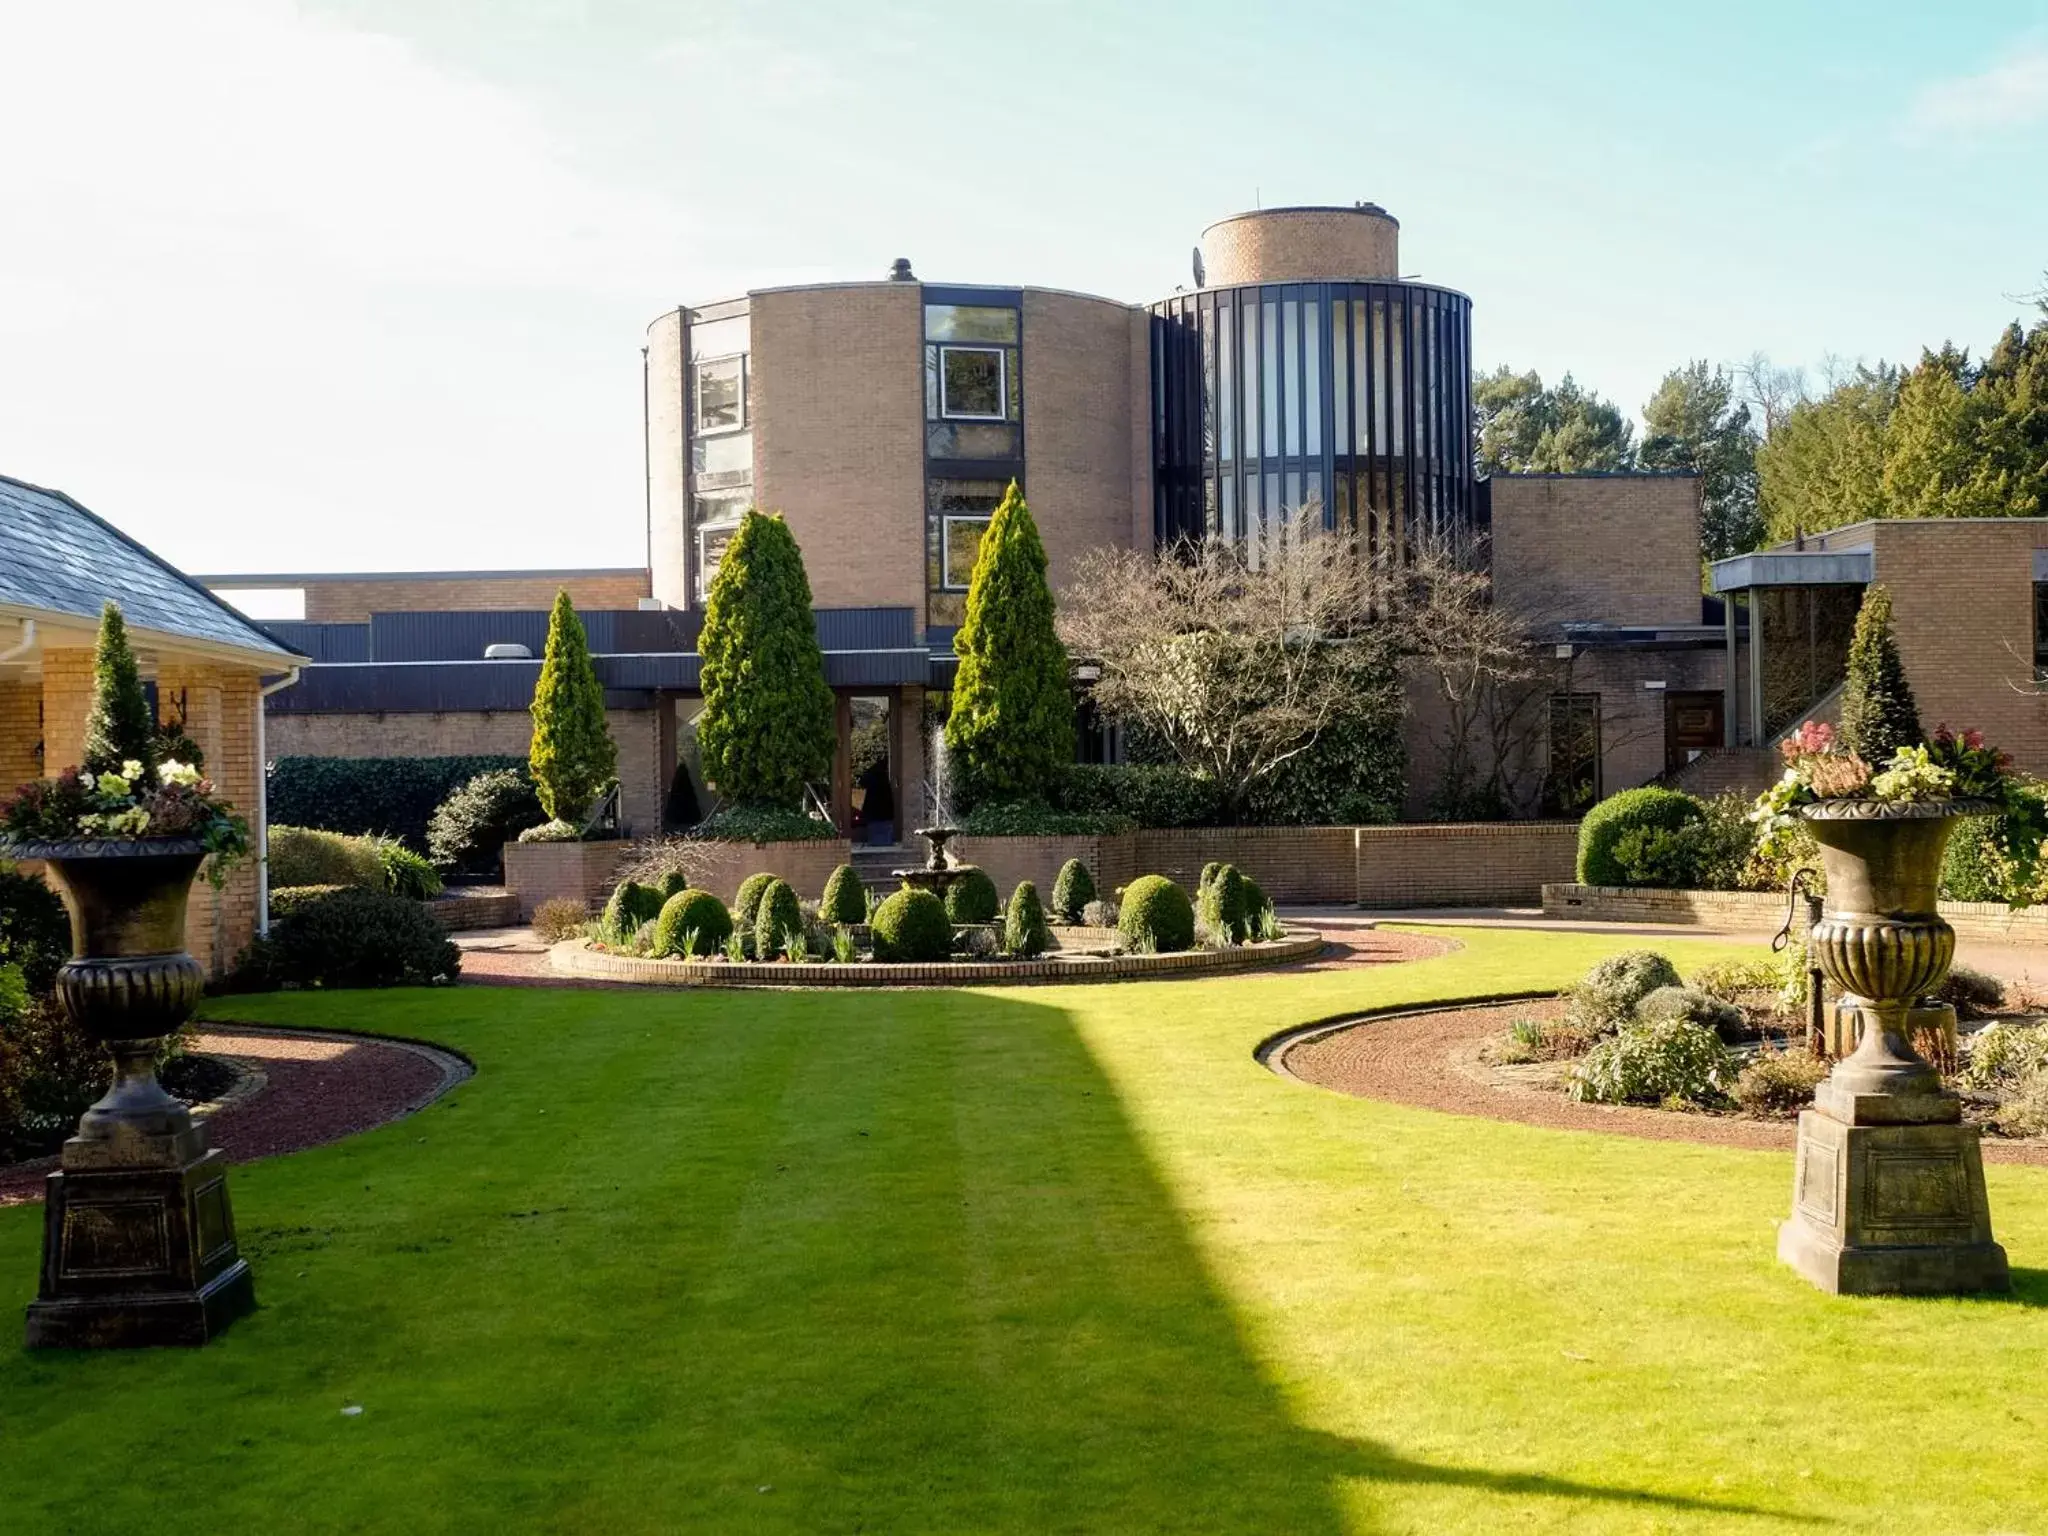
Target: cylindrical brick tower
{"type": "Point", "coordinates": [1302, 245]}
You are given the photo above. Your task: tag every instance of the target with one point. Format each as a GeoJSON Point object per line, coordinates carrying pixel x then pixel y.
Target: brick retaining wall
{"type": "Point", "coordinates": [1986, 922]}
{"type": "Point", "coordinates": [1502, 863]}
{"type": "Point", "coordinates": [585, 872]}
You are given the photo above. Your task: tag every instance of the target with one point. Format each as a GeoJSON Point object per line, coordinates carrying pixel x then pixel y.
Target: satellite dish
{"type": "Point", "coordinates": [1201, 275]}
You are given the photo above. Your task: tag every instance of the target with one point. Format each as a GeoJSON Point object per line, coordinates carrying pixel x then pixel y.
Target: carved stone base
{"type": "Point", "coordinates": [1890, 1209]}
{"type": "Point", "coordinates": [138, 1256]}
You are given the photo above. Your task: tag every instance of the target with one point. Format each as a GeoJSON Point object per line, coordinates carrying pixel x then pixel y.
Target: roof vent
{"type": "Point", "coordinates": [899, 271]}
{"type": "Point", "coordinates": [508, 651]}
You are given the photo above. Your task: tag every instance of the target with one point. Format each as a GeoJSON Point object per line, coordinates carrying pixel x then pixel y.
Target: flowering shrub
{"type": "Point", "coordinates": [134, 803]}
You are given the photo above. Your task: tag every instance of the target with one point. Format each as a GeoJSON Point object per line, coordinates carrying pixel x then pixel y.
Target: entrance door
{"type": "Point", "coordinates": [1692, 725]}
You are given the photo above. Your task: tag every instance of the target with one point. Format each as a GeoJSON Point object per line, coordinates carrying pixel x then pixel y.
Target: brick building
{"type": "Point", "coordinates": [206, 667]}
{"type": "Point", "coordinates": [885, 419]}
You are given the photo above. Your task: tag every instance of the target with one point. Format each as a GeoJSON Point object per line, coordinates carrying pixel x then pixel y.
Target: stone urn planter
{"type": "Point", "coordinates": [138, 1236]}
{"type": "Point", "coordinates": [1888, 1188]}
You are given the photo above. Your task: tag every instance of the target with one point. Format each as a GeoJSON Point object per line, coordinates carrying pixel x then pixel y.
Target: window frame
{"type": "Point", "coordinates": [728, 527]}
{"type": "Point", "coordinates": [2041, 631]}
{"type": "Point", "coordinates": [991, 349]}
{"type": "Point", "coordinates": [697, 367]}
{"type": "Point", "coordinates": [946, 522]}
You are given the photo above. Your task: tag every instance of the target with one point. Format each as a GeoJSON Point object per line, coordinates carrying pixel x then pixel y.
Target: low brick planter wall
{"type": "Point", "coordinates": [1478, 864]}
{"type": "Point", "coordinates": [585, 872]}
{"type": "Point", "coordinates": [1986, 922]}
{"type": "Point", "coordinates": [574, 957]}
{"type": "Point", "coordinates": [465, 911]}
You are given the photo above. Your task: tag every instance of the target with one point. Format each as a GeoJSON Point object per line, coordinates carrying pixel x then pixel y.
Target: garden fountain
{"type": "Point", "coordinates": [940, 869]}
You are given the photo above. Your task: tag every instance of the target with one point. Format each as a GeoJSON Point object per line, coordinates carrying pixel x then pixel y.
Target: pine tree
{"type": "Point", "coordinates": [573, 756]}
{"type": "Point", "coordinates": [767, 728]}
{"type": "Point", "coordinates": [1011, 729]}
{"type": "Point", "coordinates": [1878, 713]}
{"type": "Point", "coordinates": [119, 727]}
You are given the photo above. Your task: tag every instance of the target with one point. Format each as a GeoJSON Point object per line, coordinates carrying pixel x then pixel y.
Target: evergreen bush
{"type": "Point", "coordinates": [408, 874]}
{"type": "Point", "coordinates": [1156, 917]}
{"type": "Point", "coordinates": [287, 899]}
{"type": "Point", "coordinates": [469, 829]}
{"type": "Point", "coordinates": [746, 905]}
{"type": "Point", "coordinates": [573, 757]}
{"type": "Point", "coordinates": [1672, 1059]}
{"type": "Point", "coordinates": [1224, 905]}
{"type": "Point", "coordinates": [1606, 997]}
{"type": "Point", "coordinates": [1695, 1006]}
{"type": "Point", "coordinates": [767, 726]}
{"type": "Point", "coordinates": [1150, 794]}
{"type": "Point", "coordinates": [692, 924]}
{"type": "Point", "coordinates": [118, 726]}
{"type": "Point", "coordinates": [1011, 727]}
{"type": "Point", "coordinates": [35, 929]}
{"type": "Point", "coordinates": [1072, 889]}
{"type": "Point", "coordinates": [845, 899]}
{"type": "Point", "coordinates": [308, 856]}
{"type": "Point", "coordinates": [673, 882]}
{"type": "Point", "coordinates": [1879, 716]}
{"type": "Point", "coordinates": [352, 938]}
{"type": "Point", "coordinates": [393, 795]}
{"type": "Point", "coordinates": [1601, 831]}
{"type": "Point", "coordinates": [631, 904]}
{"type": "Point", "coordinates": [973, 898]}
{"type": "Point", "coordinates": [1025, 934]}
{"type": "Point", "coordinates": [777, 913]}
{"type": "Point", "coordinates": [911, 928]}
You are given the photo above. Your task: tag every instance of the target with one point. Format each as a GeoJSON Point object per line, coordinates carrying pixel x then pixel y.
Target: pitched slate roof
{"type": "Point", "coordinates": [58, 557]}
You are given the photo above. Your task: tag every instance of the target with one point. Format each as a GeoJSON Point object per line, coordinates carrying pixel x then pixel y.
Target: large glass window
{"type": "Point", "coordinates": [726, 453]}
{"type": "Point", "coordinates": [959, 512]}
{"type": "Point", "coordinates": [712, 539]}
{"type": "Point", "coordinates": [722, 394]}
{"type": "Point", "coordinates": [972, 383]}
{"type": "Point", "coordinates": [970, 322]}
{"type": "Point", "coordinates": [1573, 782]}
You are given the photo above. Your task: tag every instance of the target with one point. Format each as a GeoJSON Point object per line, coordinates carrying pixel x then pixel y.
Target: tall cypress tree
{"type": "Point", "coordinates": [119, 727]}
{"type": "Point", "coordinates": [1011, 728]}
{"type": "Point", "coordinates": [573, 755]}
{"type": "Point", "coordinates": [1878, 713]}
{"type": "Point", "coordinates": [767, 728]}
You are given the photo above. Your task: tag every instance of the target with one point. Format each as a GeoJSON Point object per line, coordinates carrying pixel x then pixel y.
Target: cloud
{"type": "Point", "coordinates": [2010, 94]}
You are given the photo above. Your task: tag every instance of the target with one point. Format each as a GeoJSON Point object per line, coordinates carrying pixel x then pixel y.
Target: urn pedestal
{"type": "Point", "coordinates": [138, 1236]}
{"type": "Point", "coordinates": [1888, 1189]}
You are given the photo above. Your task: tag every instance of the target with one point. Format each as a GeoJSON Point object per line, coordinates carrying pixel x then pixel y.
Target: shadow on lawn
{"type": "Point", "coordinates": [972, 1304]}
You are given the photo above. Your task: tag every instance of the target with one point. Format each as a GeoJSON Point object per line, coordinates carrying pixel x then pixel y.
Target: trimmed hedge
{"type": "Point", "coordinates": [632, 904]}
{"type": "Point", "coordinates": [763, 824]}
{"type": "Point", "coordinates": [1034, 818]}
{"type": "Point", "coordinates": [1156, 917]}
{"type": "Point", "coordinates": [1645, 810]}
{"type": "Point", "coordinates": [468, 831]}
{"type": "Point", "coordinates": [692, 924]}
{"type": "Point", "coordinates": [747, 905]}
{"type": "Point", "coordinates": [312, 856]}
{"type": "Point", "coordinates": [912, 928]}
{"type": "Point", "coordinates": [1225, 904]}
{"type": "Point", "coordinates": [845, 899]}
{"type": "Point", "coordinates": [1072, 889]}
{"type": "Point", "coordinates": [1150, 794]}
{"type": "Point", "coordinates": [287, 899]}
{"type": "Point", "coordinates": [973, 898]}
{"type": "Point", "coordinates": [397, 795]}
{"type": "Point", "coordinates": [777, 914]}
{"type": "Point", "coordinates": [1024, 932]}
{"type": "Point", "coordinates": [351, 938]}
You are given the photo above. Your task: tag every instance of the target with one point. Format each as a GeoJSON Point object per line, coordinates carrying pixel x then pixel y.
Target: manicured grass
{"type": "Point", "coordinates": [1025, 1261]}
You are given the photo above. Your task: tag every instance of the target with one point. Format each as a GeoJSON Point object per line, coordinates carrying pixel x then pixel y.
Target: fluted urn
{"type": "Point", "coordinates": [139, 1240]}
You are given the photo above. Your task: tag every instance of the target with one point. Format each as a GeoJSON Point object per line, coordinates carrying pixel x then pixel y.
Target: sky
{"type": "Point", "coordinates": [362, 284]}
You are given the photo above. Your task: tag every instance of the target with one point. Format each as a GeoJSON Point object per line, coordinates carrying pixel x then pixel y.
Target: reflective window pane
{"type": "Point", "coordinates": [711, 543]}
{"type": "Point", "coordinates": [962, 546]}
{"type": "Point", "coordinates": [1226, 386]}
{"type": "Point", "coordinates": [971, 382]}
{"type": "Point", "coordinates": [1269, 384]}
{"type": "Point", "coordinates": [1312, 363]}
{"type": "Point", "coordinates": [1340, 376]}
{"type": "Point", "coordinates": [720, 338]}
{"type": "Point", "coordinates": [971, 440]}
{"type": "Point", "coordinates": [969, 322]}
{"type": "Point", "coordinates": [1248, 366]}
{"type": "Point", "coordinates": [728, 453]}
{"type": "Point", "coordinates": [721, 403]}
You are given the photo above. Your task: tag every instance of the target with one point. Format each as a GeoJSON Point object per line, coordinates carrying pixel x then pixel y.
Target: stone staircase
{"type": "Point", "coordinates": [873, 864]}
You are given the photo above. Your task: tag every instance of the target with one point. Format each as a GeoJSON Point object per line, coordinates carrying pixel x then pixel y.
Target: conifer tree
{"type": "Point", "coordinates": [1011, 728]}
{"type": "Point", "coordinates": [118, 727]}
{"type": "Point", "coordinates": [573, 756]}
{"type": "Point", "coordinates": [767, 728]}
{"type": "Point", "coordinates": [1878, 713]}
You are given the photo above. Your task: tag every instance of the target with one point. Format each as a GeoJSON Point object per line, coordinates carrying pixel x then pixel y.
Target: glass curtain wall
{"type": "Point", "coordinates": [718, 405]}
{"type": "Point", "coordinates": [974, 431]}
{"type": "Point", "coordinates": [1354, 398]}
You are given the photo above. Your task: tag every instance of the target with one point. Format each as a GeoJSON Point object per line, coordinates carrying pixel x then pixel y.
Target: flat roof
{"type": "Point", "coordinates": [314, 578]}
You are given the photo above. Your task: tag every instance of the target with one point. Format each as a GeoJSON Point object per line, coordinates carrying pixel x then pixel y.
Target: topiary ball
{"type": "Point", "coordinates": [1649, 809]}
{"type": "Point", "coordinates": [1695, 1007]}
{"type": "Point", "coordinates": [747, 905]}
{"type": "Point", "coordinates": [973, 898]}
{"type": "Point", "coordinates": [845, 899]}
{"type": "Point", "coordinates": [631, 904]}
{"type": "Point", "coordinates": [1072, 890]}
{"type": "Point", "coordinates": [1256, 902]}
{"type": "Point", "coordinates": [674, 883]}
{"type": "Point", "coordinates": [1157, 916]}
{"type": "Point", "coordinates": [776, 915]}
{"type": "Point", "coordinates": [1024, 932]}
{"type": "Point", "coordinates": [1225, 907]}
{"type": "Point", "coordinates": [692, 924]}
{"type": "Point", "coordinates": [911, 928]}
{"type": "Point", "coordinates": [1210, 871]}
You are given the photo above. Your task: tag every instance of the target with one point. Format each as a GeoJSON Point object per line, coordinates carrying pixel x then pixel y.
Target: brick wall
{"type": "Point", "coordinates": [1620, 549]}
{"type": "Point", "coordinates": [1293, 864]}
{"type": "Point", "coordinates": [585, 872]}
{"type": "Point", "coordinates": [838, 412]}
{"type": "Point", "coordinates": [645, 762]}
{"type": "Point", "coordinates": [1112, 861]}
{"type": "Point", "coordinates": [353, 599]}
{"type": "Point", "coordinates": [667, 455]}
{"type": "Point", "coordinates": [1077, 428]}
{"type": "Point", "coordinates": [1279, 245]}
{"type": "Point", "coordinates": [1987, 922]}
{"type": "Point", "coordinates": [21, 728]}
{"type": "Point", "coordinates": [1476, 864]}
{"type": "Point", "coordinates": [806, 865]}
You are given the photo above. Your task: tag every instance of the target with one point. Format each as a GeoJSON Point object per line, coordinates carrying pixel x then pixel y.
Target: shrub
{"type": "Point", "coordinates": [1257, 904]}
{"type": "Point", "coordinates": [776, 914]}
{"type": "Point", "coordinates": [1225, 906]}
{"type": "Point", "coordinates": [1356, 771]}
{"type": "Point", "coordinates": [973, 898]}
{"type": "Point", "coordinates": [119, 724]}
{"type": "Point", "coordinates": [692, 924]}
{"type": "Point", "coordinates": [631, 904]}
{"type": "Point", "coordinates": [553, 832]}
{"type": "Point", "coordinates": [394, 795]}
{"type": "Point", "coordinates": [559, 918]}
{"type": "Point", "coordinates": [673, 882]}
{"type": "Point", "coordinates": [1695, 1007]}
{"type": "Point", "coordinates": [1101, 914]}
{"type": "Point", "coordinates": [747, 905]}
{"type": "Point", "coordinates": [1971, 868]}
{"type": "Point", "coordinates": [287, 899]}
{"type": "Point", "coordinates": [308, 856]}
{"type": "Point", "coordinates": [763, 824]}
{"type": "Point", "coordinates": [2024, 1111]}
{"type": "Point", "coordinates": [1672, 1059]}
{"type": "Point", "coordinates": [1011, 726]}
{"type": "Point", "coordinates": [573, 756]}
{"type": "Point", "coordinates": [50, 1071]}
{"type": "Point", "coordinates": [1660, 856]}
{"type": "Point", "coordinates": [911, 927]}
{"type": "Point", "coordinates": [1647, 809]}
{"type": "Point", "coordinates": [1209, 873]}
{"type": "Point", "coordinates": [845, 899]}
{"type": "Point", "coordinates": [1543, 1040]}
{"type": "Point", "coordinates": [1972, 993]}
{"type": "Point", "coordinates": [1730, 980]}
{"type": "Point", "coordinates": [1024, 931]}
{"type": "Point", "coordinates": [1878, 713]}
{"type": "Point", "coordinates": [408, 874]}
{"type": "Point", "coordinates": [767, 728]}
{"type": "Point", "coordinates": [35, 929]}
{"type": "Point", "coordinates": [1778, 1082]}
{"type": "Point", "coordinates": [1157, 917]}
{"type": "Point", "coordinates": [468, 829]}
{"type": "Point", "coordinates": [353, 938]}
{"type": "Point", "coordinates": [1034, 818]}
{"type": "Point", "coordinates": [1150, 794]}
{"type": "Point", "coordinates": [1606, 997]}
{"type": "Point", "coordinates": [1072, 889]}
{"type": "Point", "coordinates": [2006, 1054]}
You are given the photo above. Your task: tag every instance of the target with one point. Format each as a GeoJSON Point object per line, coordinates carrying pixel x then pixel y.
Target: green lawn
{"type": "Point", "coordinates": [1026, 1261]}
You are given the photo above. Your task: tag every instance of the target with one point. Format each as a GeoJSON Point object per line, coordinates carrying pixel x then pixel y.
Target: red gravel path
{"type": "Point", "coordinates": [1432, 1060]}
{"type": "Point", "coordinates": [318, 1089]}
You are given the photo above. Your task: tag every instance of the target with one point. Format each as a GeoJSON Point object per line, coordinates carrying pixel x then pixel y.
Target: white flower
{"type": "Point", "coordinates": [131, 770]}
{"type": "Point", "coordinates": [87, 780]}
{"type": "Point", "coordinates": [171, 771]}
